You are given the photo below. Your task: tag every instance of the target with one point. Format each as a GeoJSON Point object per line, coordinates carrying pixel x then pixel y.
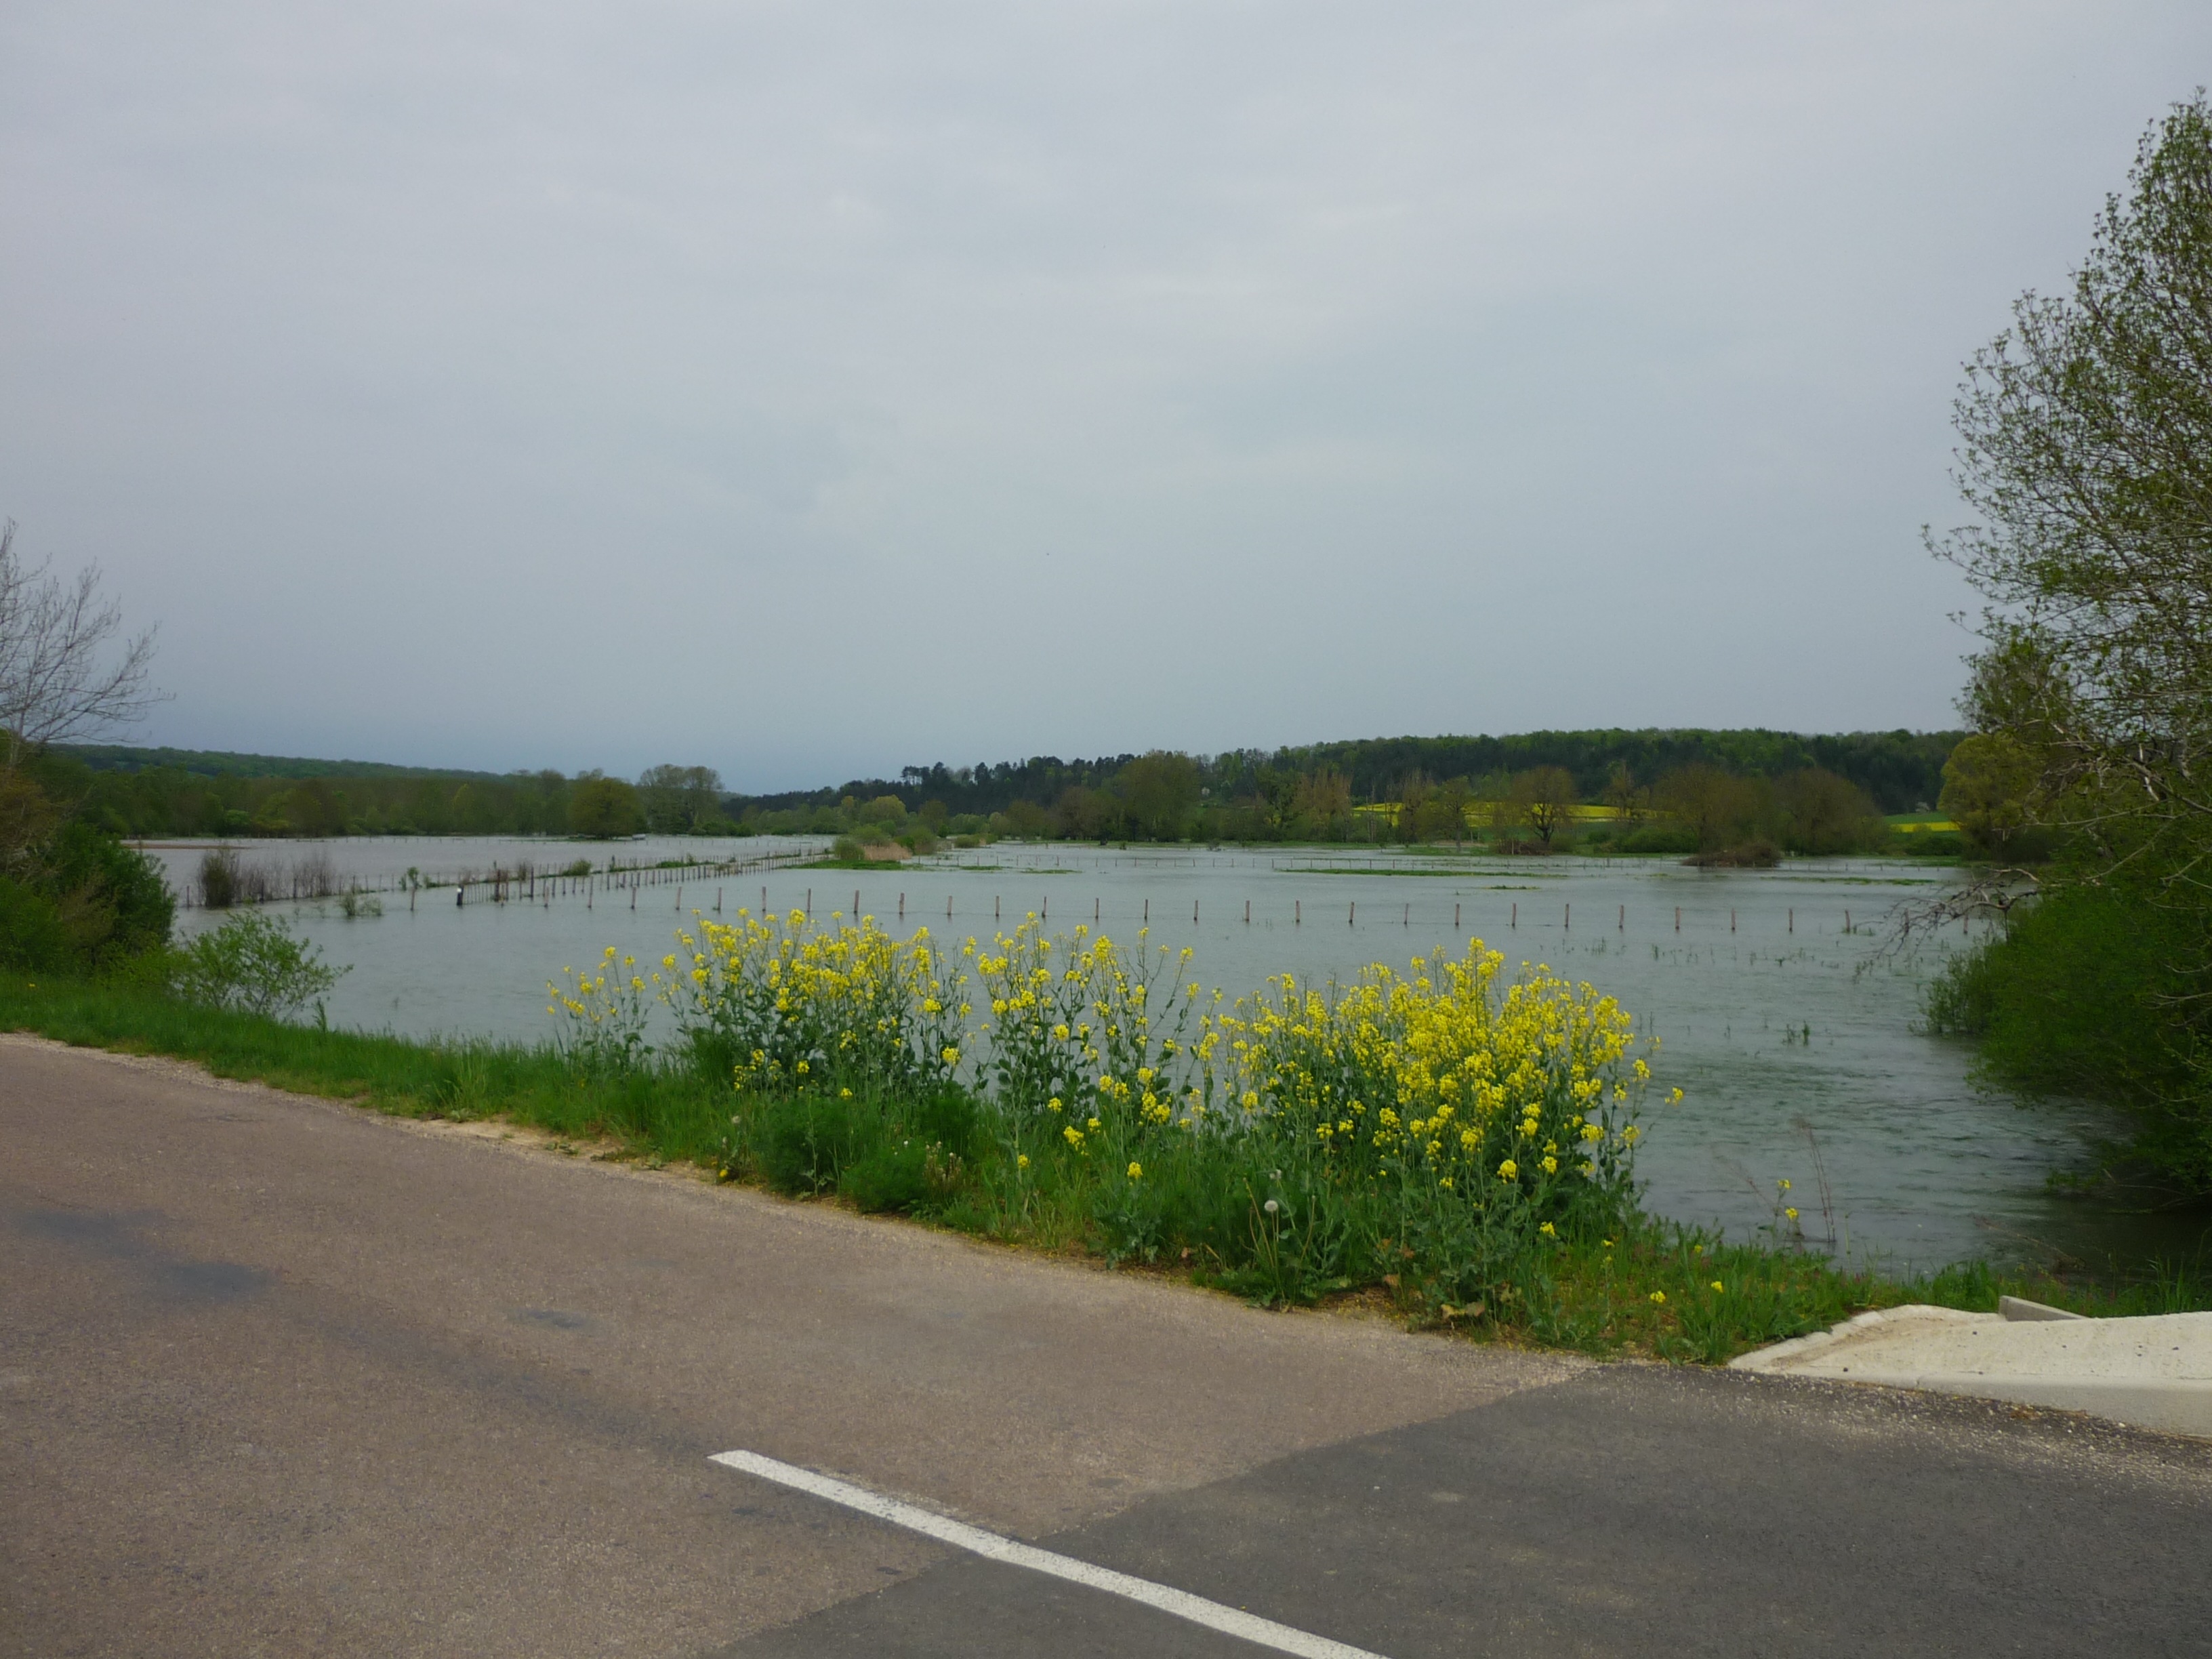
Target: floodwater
{"type": "Point", "coordinates": [1792, 1038]}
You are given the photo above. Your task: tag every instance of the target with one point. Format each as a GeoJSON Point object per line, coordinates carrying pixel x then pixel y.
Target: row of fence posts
{"type": "Point", "coordinates": [523, 885]}
{"type": "Point", "coordinates": [1297, 913]}
{"type": "Point", "coordinates": [564, 885]}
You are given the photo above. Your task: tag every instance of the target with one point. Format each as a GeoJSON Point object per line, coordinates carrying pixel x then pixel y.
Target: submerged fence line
{"type": "Point", "coordinates": [315, 876]}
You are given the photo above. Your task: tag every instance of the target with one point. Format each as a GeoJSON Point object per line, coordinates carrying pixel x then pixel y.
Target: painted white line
{"type": "Point", "coordinates": [1197, 1609]}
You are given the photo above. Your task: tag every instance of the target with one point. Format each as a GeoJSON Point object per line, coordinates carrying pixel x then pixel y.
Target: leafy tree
{"type": "Point", "coordinates": [1990, 790]}
{"type": "Point", "coordinates": [313, 808]}
{"type": "Point", "coordinates": [1414, 792]}
{"type": "Point", "coordinates": [1623, 795]}
{"type": "Point", "coordinates": [28, 816]}
{"type": "Point", "coordinates": [1323, 806]}
{"type": "Point", "coordinates": [675, 800]}
{"type": "Point", "coordinates": [603, 808]}
{"type": "Point", "coordinates": [1276, 792]}
{"type": "Point", "coordinates": [1822, 814]}
{"type": "Point", "coordinates": [2085, 453]}
{"type": "Point", "coordinates": [1720, 808]}
{"type": "Point", "coordinates": [1444, 815]}
{"type": "Point", "coordinates": [1543, 798]}
{"type": "Point", "coordinates": [2086, 450]}
{"type": "Point", "coordinates": [1085, 814]}
{"type": "Point", "coordinates": [1160, 791]}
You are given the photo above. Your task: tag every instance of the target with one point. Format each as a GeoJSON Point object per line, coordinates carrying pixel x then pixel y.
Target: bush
{"type": "Point", "coordinates": [2092, 992]}
{"type": "Point", "coordinates": [1931, 843]}
{"type": "Point", "coordinates": [219, 880]}
{"type": "Point", "coordinates": [1660, 838]}
{"type": "Point", "coordinates": [80, 899]}
{"type": "Point", "coordinates": [805, 1143]}
{"type": "Point", "coordinates": [1745, 855]}
{"type": "Point", "coordinates": [252, 964]}
{"type": "Point", "coordinates": [31, 932]}
{"type": "Point", "coordinates": [882, 1155]}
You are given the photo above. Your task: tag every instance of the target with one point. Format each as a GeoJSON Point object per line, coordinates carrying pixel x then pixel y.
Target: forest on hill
{"type": "Point", "coordinates": [1314, 790]}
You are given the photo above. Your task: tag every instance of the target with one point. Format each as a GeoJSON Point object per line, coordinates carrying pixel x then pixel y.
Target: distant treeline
{"type": "Point", "coordinates": [222, 763]}
{"type": "Point", "coordinates": [171, 800]}
{"type": "Point", "coordinates": [1314, 790]}
{"type": "Point", "coordinates": [1899, 771]}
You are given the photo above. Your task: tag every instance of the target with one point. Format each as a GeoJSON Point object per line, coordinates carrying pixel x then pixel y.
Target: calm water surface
{"type": "Point", "coordinates": [1784, 1030]}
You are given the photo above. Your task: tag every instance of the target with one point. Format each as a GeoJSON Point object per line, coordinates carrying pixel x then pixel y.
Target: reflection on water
{"type": "Point", "coordinates": [1770, 1014]}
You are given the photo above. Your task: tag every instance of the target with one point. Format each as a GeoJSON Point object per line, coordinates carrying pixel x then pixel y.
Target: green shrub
{"type": "Point", "coordinates": [253, 964]}
{"type": "Point", "coordinates": [1676, 838]}
{"type": "Point", "coordinates": [31, 932]}
{"type": "Point", "coordinates": [882, 1155]}
{"type": "Point", "coordinates": [2094, 992]}
{"type": "Point", "coordinates": [219, 880]}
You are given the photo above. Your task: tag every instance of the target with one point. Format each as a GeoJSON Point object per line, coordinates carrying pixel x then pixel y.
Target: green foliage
{"type": "Point", "coordinates": [882, 1155]}
{"type": "Point", "coordinates": [75, 897]}
{"type": "Point", "coordinates": [1659, 838]}
{"type": "Point", "coordinates": [603, 808]}
{"type": "Point", "coordinates": [123, 888]}
{"type": "Point", "coordinates": [805, 1143]}
{"type": "Point", "coordinates": [2092, 992]}
{"type": "Point", "coordinates": [177, 793]}
{"type": "Point", "coordinates": [679, 800]}
{"type": "Point", "coordinates": [219, 879]}
{"type": "Point", "coordinates": [252, 964]}
{"type": "Point", "coordinates": [222, 763]}
{"type": "Point", "coordinates": [1990, 790]}
{"type": "Point", "coordinates": [1160, 791]}
{"type": "Point", "coordinates": [1309, 792]}
{"type": "Point", "coordinates": [31, 932]}
{"type": "Point", "coordinates": [2085, 451]}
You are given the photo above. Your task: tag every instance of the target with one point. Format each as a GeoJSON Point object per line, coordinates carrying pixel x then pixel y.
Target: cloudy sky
{"type": "Point", "coordinates": [807, 389]}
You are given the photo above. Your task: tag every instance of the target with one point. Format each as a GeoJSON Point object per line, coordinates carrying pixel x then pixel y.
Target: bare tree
{"type": "Point", "coordinates": [58, 678]}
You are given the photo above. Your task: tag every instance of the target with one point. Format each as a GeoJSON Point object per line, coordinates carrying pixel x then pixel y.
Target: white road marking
{"type": "Point", "coordinates": [1197, 1609]}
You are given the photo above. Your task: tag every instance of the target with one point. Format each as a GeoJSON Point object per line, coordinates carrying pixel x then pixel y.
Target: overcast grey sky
{"type": "Point", "coordinates": [810, 389]}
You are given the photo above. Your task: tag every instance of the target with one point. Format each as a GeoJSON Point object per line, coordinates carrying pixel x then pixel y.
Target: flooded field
{"type": "Point", "coordinates": [1782, 1011]}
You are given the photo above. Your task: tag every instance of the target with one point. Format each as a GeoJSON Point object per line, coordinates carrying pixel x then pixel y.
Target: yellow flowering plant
{"type": "Point", "coordinates": [1463, 1113]}
{"type": "Point", "coordinates": [1432, 1127]}
{"type": "Point", "coordinates": [791, 1006]}
{"type": "Point", "coordinates": [1078, 1017]}
{"type": "Point", "coordinates": [605, 1012]}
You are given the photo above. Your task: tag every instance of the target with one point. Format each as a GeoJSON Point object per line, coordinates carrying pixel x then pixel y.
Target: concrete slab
{"type": "Point", "coordinates": [2154, 1373]}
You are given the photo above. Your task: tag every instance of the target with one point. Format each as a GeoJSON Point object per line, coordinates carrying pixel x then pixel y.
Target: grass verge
{"type": "Point", "coordinates": [1644, 1285]}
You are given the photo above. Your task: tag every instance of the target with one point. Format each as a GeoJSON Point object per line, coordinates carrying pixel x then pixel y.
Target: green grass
{"type": "Point", "coordinates": [1644, 1285]}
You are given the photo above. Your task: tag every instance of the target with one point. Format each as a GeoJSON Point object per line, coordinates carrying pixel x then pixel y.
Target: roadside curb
{"type": "Point", "coordinates": [2153, 1372]}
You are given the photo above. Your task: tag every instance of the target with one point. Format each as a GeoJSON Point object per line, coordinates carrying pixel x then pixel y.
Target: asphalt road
{"type": "Point", "coordinates": [277, 1377]}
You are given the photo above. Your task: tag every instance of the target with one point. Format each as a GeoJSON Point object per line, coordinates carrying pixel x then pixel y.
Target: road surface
{"type": "Point", "coordinates": [280, 1376]}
